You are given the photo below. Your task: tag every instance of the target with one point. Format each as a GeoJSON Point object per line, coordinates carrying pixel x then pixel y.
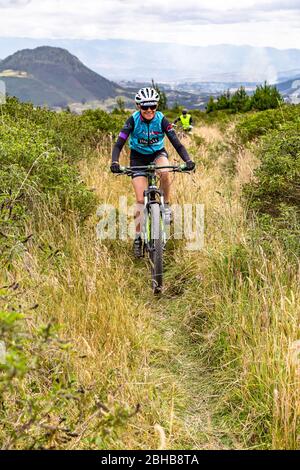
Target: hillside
{"type": "Point", "coordinates": [52, 76]}
{"type": "Point", "coordinates": [55, 77]}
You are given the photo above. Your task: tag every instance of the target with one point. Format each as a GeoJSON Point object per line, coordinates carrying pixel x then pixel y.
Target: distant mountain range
{"type": "Point", "coordinates": [290, 89]}
{"type": "Point", "coordinates": [54, 77]}
{"type": "Point", "coordinates": [141, 61]}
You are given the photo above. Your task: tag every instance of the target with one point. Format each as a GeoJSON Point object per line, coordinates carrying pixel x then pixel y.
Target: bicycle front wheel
{"type": "Point", "coordinates": [156, 248]}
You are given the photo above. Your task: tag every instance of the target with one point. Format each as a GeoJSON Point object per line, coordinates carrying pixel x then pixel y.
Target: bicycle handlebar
{"type": "Point", "coordinates": [151, 168]}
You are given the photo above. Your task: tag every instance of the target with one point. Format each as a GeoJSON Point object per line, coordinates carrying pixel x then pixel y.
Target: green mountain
{"type": "Point", "coordinates": [53, 76]}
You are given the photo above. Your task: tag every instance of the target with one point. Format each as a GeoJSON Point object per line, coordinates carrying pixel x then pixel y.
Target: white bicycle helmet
{"type": "Point", "coordinates": [147, 95]}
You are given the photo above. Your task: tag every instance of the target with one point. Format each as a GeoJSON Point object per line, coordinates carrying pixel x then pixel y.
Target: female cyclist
{"type": "Point", "coordinates": [147, 128]}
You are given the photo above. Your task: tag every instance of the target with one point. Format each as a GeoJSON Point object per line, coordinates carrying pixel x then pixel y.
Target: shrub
{"type": "Point", "coordinates": [69, 133]}
{"type": "Point", "coordinates": [43, 406]}
{"type": "Point", "coordinates": [97, 123]}
{"type": "Point", "coordinates": [276, 191]}
{"type": "Point", "coordinates": [240, 101]}
{"type": "Point", "coordinates": [32, 168]}
{"type": "Point", "coordinates": [37, 166]}
{"type": "Point", "coordinates": [264, 97]}
{"type": "Point", "coordinates": [258, 124]}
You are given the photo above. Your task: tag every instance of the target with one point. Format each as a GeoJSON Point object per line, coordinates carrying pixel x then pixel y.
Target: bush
{"type": "Point", "coordinates": [37, 166]}
{"type": "Point", "coordinates": [32, 168]}
{"type": "Point", "coordinates": [97, 122]}
{"type": "Point", "coordinates": [275, 193]}
{"type": "Point", "coordinates": [264, 97]}
{"type": "Point", "coordinates": [71, 134]}
{"type": "Point", "coordinates": [43, 406]}
{"type": "Point", "coordinates": [240, 101]}
{"type": "Point", "coordinates": [258, 124]}
{"type": "Point", "coordinates": [63, 129]}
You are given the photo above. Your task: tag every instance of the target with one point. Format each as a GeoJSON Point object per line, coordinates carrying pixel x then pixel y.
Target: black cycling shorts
{"type": "Point", "coordinates": [140, 159]}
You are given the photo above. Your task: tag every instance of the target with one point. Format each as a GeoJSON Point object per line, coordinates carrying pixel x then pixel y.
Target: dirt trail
{"type": "Point", "coordinates": [192, 423]}
{"type": "Point", "coordinates": [172, 383]}
{"type": "Point", "coordinates": [209, 133]}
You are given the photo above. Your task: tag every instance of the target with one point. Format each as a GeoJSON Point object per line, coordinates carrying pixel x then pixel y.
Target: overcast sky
{"type": "Point", "coordinates": [273, 23]}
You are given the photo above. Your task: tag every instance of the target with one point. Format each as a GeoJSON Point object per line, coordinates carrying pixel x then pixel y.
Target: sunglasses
{"type": "Point", "coordinates": [145, 107]}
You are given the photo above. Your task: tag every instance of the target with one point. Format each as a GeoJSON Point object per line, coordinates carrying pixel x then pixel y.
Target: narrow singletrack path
{"type": "Point", "coordinates": [172, 383]}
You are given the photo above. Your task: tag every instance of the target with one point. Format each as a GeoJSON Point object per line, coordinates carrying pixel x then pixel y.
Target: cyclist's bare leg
{"type": "Point", "coordinates": [139, 184]}
{"type": "Point", "coordinates": [164, 177]}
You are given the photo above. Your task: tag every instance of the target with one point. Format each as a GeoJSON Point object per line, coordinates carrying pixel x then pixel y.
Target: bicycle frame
{"type": "Point", "coordinates": [151, 193]}
{"type": "Point", "coordinates": [154, 236]}
{"type": "Point", "coordinates": [150, 197]}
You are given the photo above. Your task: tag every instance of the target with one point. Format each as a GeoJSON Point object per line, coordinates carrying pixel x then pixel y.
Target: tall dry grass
{"type": "Point", "coordinates": [103, 300]}
{"type": "Point", "coordinates": [243, 304]}
{"type": "Point", "coordinates": [213, 363]}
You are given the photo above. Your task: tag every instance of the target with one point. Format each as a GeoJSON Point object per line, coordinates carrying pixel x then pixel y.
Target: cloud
{"type": "Point", "coordinates": [195, 22]}
{"type": "Point", "coordinates": [130, 12]}
{"type": "Point", "coordinates": [278, 5]}
{"type": "Point", "coordinates": [13, 3]}
{"type": "Point", "coordinates": [198, 13]}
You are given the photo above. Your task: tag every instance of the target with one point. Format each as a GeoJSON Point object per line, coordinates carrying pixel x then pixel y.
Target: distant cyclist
{"type": "Point", "coordinates": [186, 120]}
{"type": "Point", "coordinates": [147, 128]}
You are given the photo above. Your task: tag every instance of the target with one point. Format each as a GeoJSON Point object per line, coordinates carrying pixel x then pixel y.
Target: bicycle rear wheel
{"type": "Point", "coordinates": [156, 248]}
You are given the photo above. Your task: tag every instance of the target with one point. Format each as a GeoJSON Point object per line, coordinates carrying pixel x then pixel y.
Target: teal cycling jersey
{"type": "Point", "coordinates": [147, 137]}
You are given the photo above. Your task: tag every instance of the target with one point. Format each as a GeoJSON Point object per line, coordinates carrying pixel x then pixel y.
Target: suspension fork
{"type": "Point", "coordinates": [149, 198]}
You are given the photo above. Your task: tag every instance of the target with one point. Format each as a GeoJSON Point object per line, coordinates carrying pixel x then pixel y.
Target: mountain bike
{"type": "Point", "coordinates": [154, 234]}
